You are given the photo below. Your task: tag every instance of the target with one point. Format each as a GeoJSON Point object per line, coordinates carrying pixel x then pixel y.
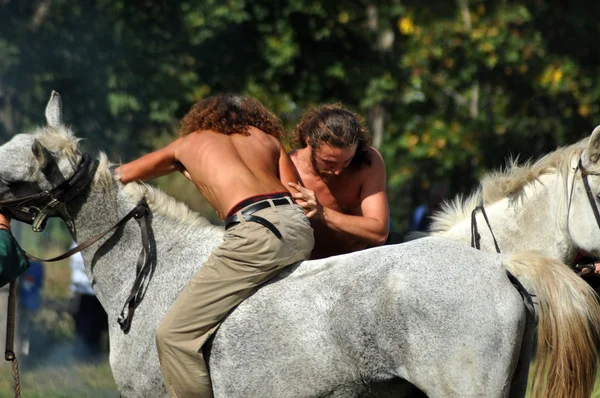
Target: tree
{"type": "Point", "coordinates": [448, 88]}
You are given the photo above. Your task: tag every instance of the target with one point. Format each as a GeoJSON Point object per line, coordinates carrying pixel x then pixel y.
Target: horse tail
{"type": "Point", "coordinates": [568, 326]}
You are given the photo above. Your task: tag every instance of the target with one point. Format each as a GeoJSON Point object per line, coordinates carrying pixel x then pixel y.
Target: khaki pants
{"type": "Point", "coordinates": [249, 256]}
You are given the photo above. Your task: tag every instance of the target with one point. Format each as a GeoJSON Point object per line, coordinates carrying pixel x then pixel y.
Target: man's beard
{"type": "Point", "coordinates": [325, 175]}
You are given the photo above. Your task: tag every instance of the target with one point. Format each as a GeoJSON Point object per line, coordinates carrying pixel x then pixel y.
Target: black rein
{"type": "Point", "coordinates": [37, 208]}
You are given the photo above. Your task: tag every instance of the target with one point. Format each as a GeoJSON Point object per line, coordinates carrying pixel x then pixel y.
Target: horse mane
{"type": "Point", "coordinates": [58, 139]}
{"type": "Point", "coordinates": [61, 139]}
{"type": "Point", "coordinates": [497, 185]}
{"type": "Point", "coordinates": [162, 204]}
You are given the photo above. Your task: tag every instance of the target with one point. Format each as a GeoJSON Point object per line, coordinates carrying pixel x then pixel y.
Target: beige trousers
{"type": "Point", "coordinates": [249, 256]}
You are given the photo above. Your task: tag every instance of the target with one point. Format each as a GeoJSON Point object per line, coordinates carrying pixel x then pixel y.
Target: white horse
{"type": "Point", "coordinates": [539, 206]}
{"type": "Point", "coordinates": [431, 317]}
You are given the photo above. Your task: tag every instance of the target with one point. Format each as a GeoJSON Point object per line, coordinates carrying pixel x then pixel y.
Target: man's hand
{"type": "Point", "coordinates": [307, 200]}
{"type": "Point", "coordinates": [587, 272]}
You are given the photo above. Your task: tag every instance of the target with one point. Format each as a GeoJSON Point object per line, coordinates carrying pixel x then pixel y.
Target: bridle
{"type": "Point", "coordinates": [584, 177]}
{"type": "Point", "coordinates": [590, 195]}
{"type": "Point", "coordinates": [35, 209]}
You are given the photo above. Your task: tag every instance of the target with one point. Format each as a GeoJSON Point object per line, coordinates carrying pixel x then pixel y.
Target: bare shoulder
{"type": "Point", "coordinates": [264, 137]}
{"type": "Point", "coordinates": [377, 166]}
{"type": "Point", "coordinates": [293, 154]}
{"type": "Point", "coordinates": [375, 155]}
{"type": "Point", "coordinates": [373, 176]}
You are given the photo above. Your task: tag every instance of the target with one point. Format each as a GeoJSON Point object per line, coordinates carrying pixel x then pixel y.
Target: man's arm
{"type": "Point", "coordinates": [372, 227]}
{"type": "Point", "coordinates": [152, 165]}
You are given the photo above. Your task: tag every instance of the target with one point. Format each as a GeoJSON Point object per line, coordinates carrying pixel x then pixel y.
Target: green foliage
{"type": "Point", "coordinates": [462, 84]}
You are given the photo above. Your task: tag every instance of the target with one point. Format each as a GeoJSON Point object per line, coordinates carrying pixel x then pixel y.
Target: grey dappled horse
{"type": "Point", "coordinates": [431, 316]}
{"type": "Point", "coordinates": [539, 206]}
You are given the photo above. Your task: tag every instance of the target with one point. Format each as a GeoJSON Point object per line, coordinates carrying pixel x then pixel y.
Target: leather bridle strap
{"type": "Point", "coordinates": [144, 270]}
{"type": "Point", "coordinates": [140, 210]}
{"type": "Point", "coordinates": [476, 243]}
{"type": "Point", "coordinates": [36, 208]}
{"type": "Point", "coordinates": [584, 174]}
{"type": "Point", "coordinates": [144, 267]}
{"type": "Point", "coordinates": [475, 236]}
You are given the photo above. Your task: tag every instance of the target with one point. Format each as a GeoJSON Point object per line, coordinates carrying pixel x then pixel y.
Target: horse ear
{"type": "Point", "coordinates": [54, 110]}
{"type": "Point", "coordinates": [41, 153]}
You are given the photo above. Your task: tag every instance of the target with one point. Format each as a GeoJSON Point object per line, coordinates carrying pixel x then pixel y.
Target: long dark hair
{"type": "Point", "coordinates": [335, 126]}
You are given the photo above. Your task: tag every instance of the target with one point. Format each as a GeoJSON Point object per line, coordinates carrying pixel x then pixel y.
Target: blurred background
{"type": "Point", "coordinates": [448, 89]}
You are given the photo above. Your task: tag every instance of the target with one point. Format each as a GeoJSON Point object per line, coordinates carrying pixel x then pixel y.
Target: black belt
{"type": "Point", "coordinates": [248, 215]}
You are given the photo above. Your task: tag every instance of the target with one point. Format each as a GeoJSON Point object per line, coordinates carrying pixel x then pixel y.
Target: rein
{"type": "Point", "coordinates": [144, 266]}
{"type": "Point", "coordinates": [35, 209]}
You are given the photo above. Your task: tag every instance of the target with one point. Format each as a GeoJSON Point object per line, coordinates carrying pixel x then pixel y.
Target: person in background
{"type": "Point", "coordinates": [30, 301]}
{"type": "Point", "coordinates": [421, 217]}
{"type": "Point", "coordinates": [91, 321]}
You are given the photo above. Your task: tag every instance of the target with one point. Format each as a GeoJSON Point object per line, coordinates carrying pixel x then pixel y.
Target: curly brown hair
{"type": "Point", "coordinates": [230, 114]}
{"type": "Point", "coordinates": [335, 126]}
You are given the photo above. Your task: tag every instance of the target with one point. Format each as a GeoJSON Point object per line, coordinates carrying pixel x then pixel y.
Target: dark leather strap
{"type": "Point", "coordinates": [584, 174]}
{"type": "Point", "coordinates": [35, 209]}
{"type": "Point", "coordinates": [257, 198]}
{"type": "Point", "coordinates": [248, 215]}
{"type": "Point", "coordinates": [144, 267]}
{"type": "Point", "coordinates": [476, 243]}
{"type": "Point", "coordinates": [475, 236]}
{"type": "Point", "coordinates": [9, 354]}
{"type": "Point", "coordinates": [144, 270]}
{"type": "Point", "coordinates": [140, 209]}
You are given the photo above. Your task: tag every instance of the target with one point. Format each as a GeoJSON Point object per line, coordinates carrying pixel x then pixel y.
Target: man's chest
{"type": "Point", "coordinates": [341, 194]}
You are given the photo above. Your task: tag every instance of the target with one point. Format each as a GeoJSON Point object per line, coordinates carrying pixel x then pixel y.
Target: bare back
{"type": "Point", "coordinates": [227, 169]}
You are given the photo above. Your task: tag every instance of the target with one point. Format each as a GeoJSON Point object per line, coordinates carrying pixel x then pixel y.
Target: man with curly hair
{"type": "Point", "coordinates": [345, 182]}
{"type": "Point", "coordinates": [229, 148]}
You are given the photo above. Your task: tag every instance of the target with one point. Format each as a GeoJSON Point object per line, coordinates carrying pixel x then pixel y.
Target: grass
{"type": "Point", "coordinates": [81, 380]}
{"type": "Point", "coordinates": [51, 371]}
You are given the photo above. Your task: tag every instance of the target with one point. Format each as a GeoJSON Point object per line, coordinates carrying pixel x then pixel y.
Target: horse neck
{"type": "Point", "coordinates": [110, 263]}
{"type": "Point", "coordinates": [533, 219]}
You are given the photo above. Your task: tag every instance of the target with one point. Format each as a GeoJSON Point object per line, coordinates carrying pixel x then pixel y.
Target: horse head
{"type": "Point", "coordinates": [41, 172]}
{"type": "Point", "coordinates": [583, 206]}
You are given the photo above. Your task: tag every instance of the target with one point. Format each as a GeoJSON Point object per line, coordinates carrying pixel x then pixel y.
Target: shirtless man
{"type": "Point", "coordinates": [345, 182]}
{"type": "Point", "coordinates": [229, 148]}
